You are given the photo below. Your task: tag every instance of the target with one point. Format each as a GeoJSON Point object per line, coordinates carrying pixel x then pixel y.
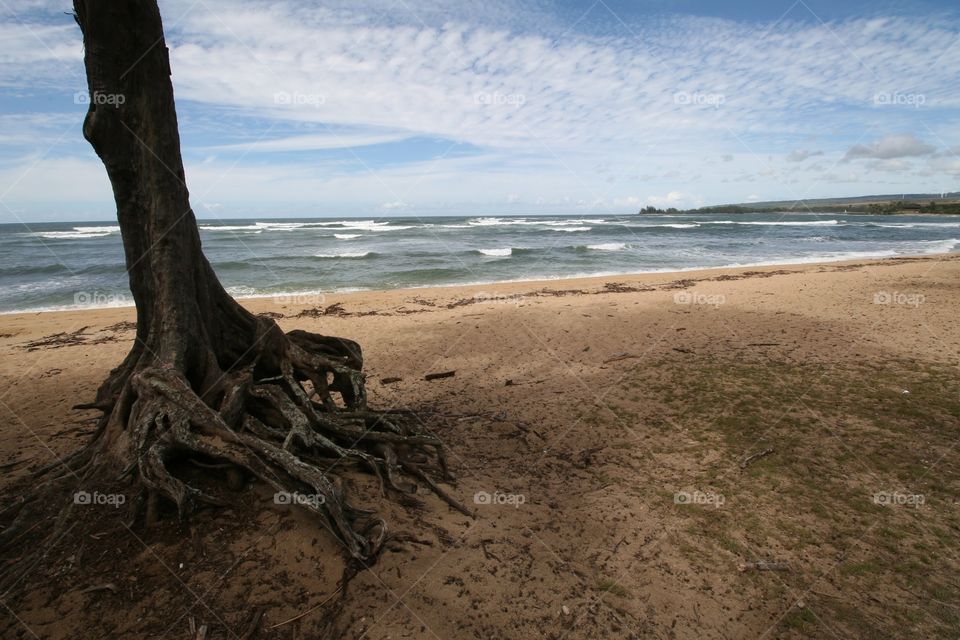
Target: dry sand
{"type": "Point", "coordinates": [609, 419]}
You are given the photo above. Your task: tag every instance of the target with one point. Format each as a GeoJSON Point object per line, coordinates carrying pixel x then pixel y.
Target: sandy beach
{"type": "Point", "coordinates": [756, 452]}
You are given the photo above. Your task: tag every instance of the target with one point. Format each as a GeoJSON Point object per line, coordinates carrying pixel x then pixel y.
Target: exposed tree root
{"type": "Point", "coordinates": [285, 428]}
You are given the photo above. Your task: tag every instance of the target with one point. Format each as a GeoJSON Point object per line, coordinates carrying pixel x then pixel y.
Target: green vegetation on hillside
{"type": "Point", "coordinates": [872, 205]}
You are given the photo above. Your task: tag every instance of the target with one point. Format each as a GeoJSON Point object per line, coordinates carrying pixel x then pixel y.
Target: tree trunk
{"type": "Point", "coordinates": [206, 377]}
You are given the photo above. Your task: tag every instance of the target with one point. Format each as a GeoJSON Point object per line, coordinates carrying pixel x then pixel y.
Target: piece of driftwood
{"type": "Point", "coordinates": [254, 625]}
{"type": "Point", "coordinates": [310, 610]}
{"type": "Point", "coordinates": [756, 456]}
{"type": "Point", "coordinates": [441, 374]}
{"type": "Point", "coordinates": [390, 380]}
{"type": "Point", "coordinates": [489, 555]}
{"type": "Point", "coordinates": [619, 356]}
{"type": "Point", "coordinates": [112, 588]}
{"type": "Point", "coordinates": [763, 565]}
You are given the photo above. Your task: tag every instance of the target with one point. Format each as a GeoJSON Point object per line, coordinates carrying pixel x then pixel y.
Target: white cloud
{"type": "Point", "coordinates": [327, 140]}
{"type": "Point", "coordinates": [890, 147]}
{"type": "Point", "coordinates": [516, 90]}
{"type": "Point", "coordinates": [799, 155]}
{"type": "Point", "coordinates": [672, 199]}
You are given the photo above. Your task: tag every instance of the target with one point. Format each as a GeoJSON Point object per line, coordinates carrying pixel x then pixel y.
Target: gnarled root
{"type": "Point", "coordinates": [170, 420]}
{"type": "Point", "coordinates": [274, 418]}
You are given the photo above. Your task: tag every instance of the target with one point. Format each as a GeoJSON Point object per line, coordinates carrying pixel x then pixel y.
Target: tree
{"type": "Point", "coordinates": [205, 377]}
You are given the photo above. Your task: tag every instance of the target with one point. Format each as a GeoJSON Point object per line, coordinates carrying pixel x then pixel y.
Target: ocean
{"type": "Point", "coordinates": [80, 265]}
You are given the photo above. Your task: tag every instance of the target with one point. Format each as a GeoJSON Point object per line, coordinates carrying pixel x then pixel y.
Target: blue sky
{"type": "Point", "coordinates": [400, 107]}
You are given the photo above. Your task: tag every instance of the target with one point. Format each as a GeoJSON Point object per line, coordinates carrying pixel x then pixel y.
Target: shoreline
{"type": "Point", "coordinates": [601, 401]}
{"type": "Point", "coordinates": [591, 279]}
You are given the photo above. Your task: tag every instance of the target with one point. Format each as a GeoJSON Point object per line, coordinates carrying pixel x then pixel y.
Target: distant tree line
{"type": "Point", "coordinates": [874, 208]}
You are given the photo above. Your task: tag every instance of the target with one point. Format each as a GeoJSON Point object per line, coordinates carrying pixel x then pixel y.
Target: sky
{"type": "Point", "coordinates": [503, 107]}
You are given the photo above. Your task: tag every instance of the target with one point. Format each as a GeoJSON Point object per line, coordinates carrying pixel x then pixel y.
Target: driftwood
{"type": "Point", "coordinates": [756, 456]}
{"type": "Point", "coordinates": [112, 588]}
{"type": "Point", "coordinates": [619, 356]}
{"type": "Point", "coordinates": [763, 565]}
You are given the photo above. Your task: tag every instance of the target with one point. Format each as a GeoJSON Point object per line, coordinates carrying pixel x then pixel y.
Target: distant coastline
{"type": "Point", "coordinates": [904, 204]}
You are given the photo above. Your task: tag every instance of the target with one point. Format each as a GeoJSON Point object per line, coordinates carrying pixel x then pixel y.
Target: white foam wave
{"type": "Point", "coordinates": [78, 233]}
{"type": "Point", "coordinates": [496, 252]}
{"type": "Point", "coordinates": [285, 226]}
{"type": "Point", "coordinates": [346, 236]}
{"type": "Point", "coordinates": [494, 222]}
{"type": "Point", "coordinates": [608, 246]}
{"type": "Point", "coordinates": [369, 225]}
{"type": "Point", "coordinates": [68, 235]}
{"type": "Point", "coordinates": [914, 225]}
{"type": "Point", "coordinates": [231, 227]}
{"type": "Point", "coordinates": [673, 225]}
{"type": "Point", "coordinates": [346, 254]}
{"type": "Point", "coordinates": [570, 229]}
{"type": "Point", "coordinates": [498, 222]}
{"type": "Point", "coordinates": [939, 246]}
{"type": "Point", "coordinates": [107, 229]}
{"type": "Point", "coordinates": [804, 223]}
{"type": "Point", "coordinates": [340, 225]}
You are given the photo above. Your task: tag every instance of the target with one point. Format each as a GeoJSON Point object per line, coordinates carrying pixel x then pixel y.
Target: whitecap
{"type": "Point", "coordinates": [69, 235]}
{"type": "Point", "coordinates": [496, 252]}
{"type": "Point", "coordinates": [228, 227]}
{"type": "Point", "coordinates": [78, 233]}
{"type": "Point", "coordinates": [346, 254]}
{"type": "Point", "coordinates": [939, 246]}
{"type": "Point", "coordinates": [609, 246]}
{"type": "Point", "coordinates": [108, 229]}
{"type": "Point", "coordinates": [804, 223]}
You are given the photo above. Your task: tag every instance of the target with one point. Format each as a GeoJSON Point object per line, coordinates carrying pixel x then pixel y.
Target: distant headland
{"type": "Point", "coordinates": [927, 203]}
